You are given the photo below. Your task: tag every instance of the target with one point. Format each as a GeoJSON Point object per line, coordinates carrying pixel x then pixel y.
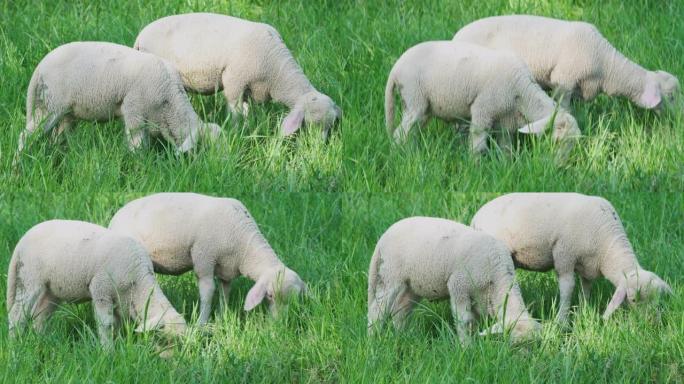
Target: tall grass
{"type": "Point", "coordinates": [323, 206]}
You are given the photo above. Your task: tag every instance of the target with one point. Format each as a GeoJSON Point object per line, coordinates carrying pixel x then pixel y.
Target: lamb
{"type": "Point", "coordinates": [460, 80]}
{"type": "Point", "coordinates": [215, 237]}
{"type": "Point", "coordinates": [244, 58]}
{"type": "Point", "coordinates": [98, 81]}
{"type": "Point", "coordinates": [73, 261]}
{"type": "Point", "coordinates": [570, 233]}
{"type": "Point", "coordinates": [571, 57]}
{"type": "Point", "coordinates": [432, 258]}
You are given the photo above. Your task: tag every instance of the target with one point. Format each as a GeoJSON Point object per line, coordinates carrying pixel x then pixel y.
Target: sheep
{"type": "Point", "coordinates": [244, 58]}
{"type": "Point", "coordinates": [572, 58]}
{"type": "Point", "coordinates": [60, 261]}
{"type": "Point", "coordinates": [98, 81]}
{"type": "Point", "coordinates": [215, 237]}
{"type": "Point", "coordinates": [570, 233]}
{"type": "Point", "coordinates": [459, 80]}
{"type": "Point", "coordinates": [432, 258]}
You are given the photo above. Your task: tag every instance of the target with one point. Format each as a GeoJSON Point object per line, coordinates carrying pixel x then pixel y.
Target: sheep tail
{"type": "Point", "coordinates": [11, 282]}
{"type": "Point", "coordinates": [389, 104]}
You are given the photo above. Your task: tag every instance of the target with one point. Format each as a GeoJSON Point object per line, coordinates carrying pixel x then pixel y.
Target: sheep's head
{"type": "Point", "coordinates": [639, 285]}
{"type": "Point", "coordinates": [170, 322]}
{"type": "Point", "coordinates": [313, 108]}
{"type": "Point", "coordinates": [525, 329]}
{"type": "Point", "coordinates": [659, 86]}
{"type": "Point", "coordinates": [211, 131]}
{"type": "Point", "coordinates": [277, 286]}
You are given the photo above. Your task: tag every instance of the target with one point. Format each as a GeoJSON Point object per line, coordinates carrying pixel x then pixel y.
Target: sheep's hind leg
{"type": "Point", "coordinates": [381, 305]}
{"type": "Point", "coordinates": [44, 308]}
{"type": "Point", "coordinates": [23, 308]}
{"type": "Point", "coordinates": [403, 305]}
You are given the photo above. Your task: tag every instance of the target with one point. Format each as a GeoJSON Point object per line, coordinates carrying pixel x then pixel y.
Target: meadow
{"type": "Point", "coordinates": [323, 206]}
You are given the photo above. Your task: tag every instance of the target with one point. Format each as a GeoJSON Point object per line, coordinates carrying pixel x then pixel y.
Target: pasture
{"type": "Point", "coordinates": [322, 206]}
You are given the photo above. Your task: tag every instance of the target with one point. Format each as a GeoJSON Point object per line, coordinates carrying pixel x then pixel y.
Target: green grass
{"type": "Point", "coordinates": [323, 207]}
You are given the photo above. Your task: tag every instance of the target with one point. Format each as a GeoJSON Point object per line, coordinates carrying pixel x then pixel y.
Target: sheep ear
{"type": "Point", "coordinates": [293, 121]}
{"type": "Point", "coordinates": [536, 128]}
{"type": "Point", "coordinates": [255, 296]}
{"type": "Point", "coordinates": [650, 98]}
{"type": "Point", "coordinates": [617, 300]}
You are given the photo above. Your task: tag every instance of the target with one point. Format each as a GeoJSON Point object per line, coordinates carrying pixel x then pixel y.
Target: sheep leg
{"type": "Point", "coordinates": [586, 287]}
{"type": "Point", "coordinates": [25, 304]}
{"type": "Point", "coordinates": [481, 123]}
{"type": "Point", "coordinates": [415, 110]}
{"type": "Point", "coordinates": [224, 292]}
{"type": "Point", "coordinates": [463, 316]}
{"type": "Point", "coordinates": [566, 283]}
{"type": "Point", "coordinates": [104, 314]}
{"type": "Point", "coordinates": [403, 305]}
{"type": "Point", "coordinates": [234, 91]}
{"type": "Point", "coordinates": [134, 122]}
{"type": "Point", "coordinates": [43, 310]}
{"type": "Point", "coordinates": [380, 305]}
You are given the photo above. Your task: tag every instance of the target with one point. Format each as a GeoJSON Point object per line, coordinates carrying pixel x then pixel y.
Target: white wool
{"type": "Point", "coordinates": [242, 57]}
{"type": "Point", "coordinates": [432, 258]}
{"type": "Point", "coordinates": [568, 232]}
{"type": "Point", "coordinates": [214, 237]}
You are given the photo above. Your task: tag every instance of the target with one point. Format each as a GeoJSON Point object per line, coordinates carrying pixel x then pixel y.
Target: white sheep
{"type": "Point", "coordinates": [494, 89]}
{"type": "Point", "coordinates": [569, 232]}
{"type": "Point", "coordinates": [244, 58]}
{"type": "Point", "coordinates": [73, 261]}
{"type": "Point", "coordinates": [98, 81]}
{"type": "Point", "coordinates": [424, 257]}
{"type": "Point", "coordinates": [571, 57]}
{"type": "Point", "coordinates": [214, 237]}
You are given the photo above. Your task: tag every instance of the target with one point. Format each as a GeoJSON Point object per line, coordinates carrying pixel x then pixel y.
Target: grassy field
{"type": "Point", "coordinates": [323, 206]}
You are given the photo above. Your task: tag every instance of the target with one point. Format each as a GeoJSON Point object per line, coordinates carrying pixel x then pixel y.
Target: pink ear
{"type": "Point", "coordinates": [293, 121]}
{"type": "Point", "coordinates": [650, 98]}
{"type": "Point", "coordinates": [617, 300]}
{"type": "Point", "coordinates": [255, 296]}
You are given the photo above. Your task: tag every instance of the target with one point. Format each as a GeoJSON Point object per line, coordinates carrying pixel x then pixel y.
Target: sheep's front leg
{"type": "Point", "coordinates": [104, 314]}
{"type": "Point", "coordinates": [481, 124]}
{"type": "Point", "coordinates": [134, 125]}
{"type": "Point", "coordinates": [463, 316]}
{"type": "Point", "coordinates": [234, 91]}
{"type": "Point", "coordinates": [566, 283]}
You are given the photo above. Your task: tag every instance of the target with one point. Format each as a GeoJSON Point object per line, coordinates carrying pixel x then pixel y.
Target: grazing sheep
{"type": "Point", "coordinates": [243, 58]}
{"type": "Point", "coordinates": [452, 81]}
{"type": "Point", "coordinates": [73, 261]}
{"type": "Point", "coordinates": [569, 232]}
{"type": "Point", "coordinates": [215, 237]}
{"type": "Point", "coordinates": [424, 257]}
{"type": "Point", "coordinates": [572, 58]}
{"type": "Point", "coordinates": [99, 81]}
